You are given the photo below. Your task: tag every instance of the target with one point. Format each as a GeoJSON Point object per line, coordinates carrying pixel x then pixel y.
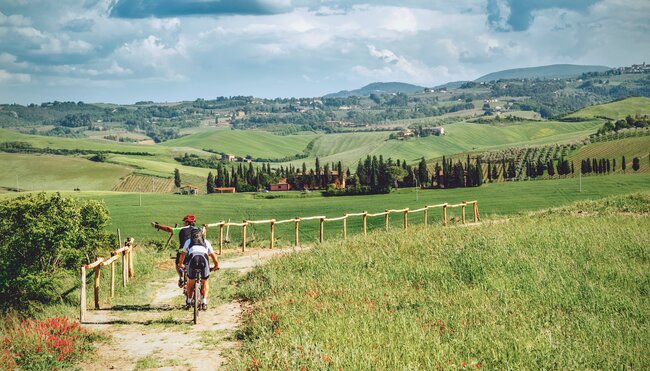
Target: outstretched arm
{"type": "Point", "coordinates": [162, 227]}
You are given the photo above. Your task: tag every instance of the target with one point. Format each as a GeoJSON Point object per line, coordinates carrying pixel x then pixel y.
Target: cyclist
{"type": "Point", "coordinates": [184, 234]}
{"type": "Point", "coordinates": [189, 222]}
{"type": "Point", "coordinates": [197, 249]}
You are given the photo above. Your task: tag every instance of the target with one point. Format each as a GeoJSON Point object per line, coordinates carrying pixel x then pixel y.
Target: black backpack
{"type": "Point", "coordinates": [196, 237]}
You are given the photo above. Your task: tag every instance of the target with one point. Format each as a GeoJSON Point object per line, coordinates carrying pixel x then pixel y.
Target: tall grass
{"type": "Point", "coordinates": [549, 290]}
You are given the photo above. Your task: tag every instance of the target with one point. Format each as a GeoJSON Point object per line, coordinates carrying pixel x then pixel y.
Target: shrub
{"type": "Point", "coordinates": [41, 238]}
{"type": "Point", "coordinates": [49, 344]}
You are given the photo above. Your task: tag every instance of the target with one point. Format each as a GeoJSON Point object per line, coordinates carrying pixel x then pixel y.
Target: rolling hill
{"type": "Point", "coordinates": [378, 88]}
{"type": "Point", "coordinates": [542, 72]}
{"type": "Point", "coordinates": [615, 110]}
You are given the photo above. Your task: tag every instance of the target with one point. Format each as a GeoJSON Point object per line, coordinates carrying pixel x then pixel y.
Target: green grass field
{"type": "Point", "coordinates": [494, 199]}
{"type": "Point", "coordinates": [552, 291]}
{"type": "Point", "coordinates": [615, 149]}
{"type": "Point", "coordinates": [244, 142]}
{"type": "Point", "coordinates": [616, 110]}
{"type": "Point", "coordinates": [51, 172]}
{"type": "Point", "coordinates": [460, 137]}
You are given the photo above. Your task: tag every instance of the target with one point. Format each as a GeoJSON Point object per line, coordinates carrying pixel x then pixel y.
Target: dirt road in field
{"type": "Point", "coordinates": [159, 334]}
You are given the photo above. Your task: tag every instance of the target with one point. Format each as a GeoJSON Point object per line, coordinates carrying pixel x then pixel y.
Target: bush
{"type": "Point", "coordinates": [49, 344]}
{"type": "Point", "coordinates": [41, 238]}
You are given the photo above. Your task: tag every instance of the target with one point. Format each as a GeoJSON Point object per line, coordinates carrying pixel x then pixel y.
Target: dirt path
{"type": "Point", "coordinates": [160, 335]}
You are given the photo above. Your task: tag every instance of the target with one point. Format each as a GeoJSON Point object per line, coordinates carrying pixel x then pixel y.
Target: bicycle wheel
{"type": "Point", "coordinates": [197, 299]}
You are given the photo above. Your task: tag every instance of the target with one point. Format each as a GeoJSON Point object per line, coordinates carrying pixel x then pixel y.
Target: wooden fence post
{"type": "Point", "coordinates": [345, 226]}
{"type": "Point", "coordinates": [119, 238]}
{"type": "Point", "coordinates": [322, 229]}
{"type": "Point", "coordinates": [96, 291]}
{"type": "Point", "coordinates": [297, 227]}
{"type": "Point", "coordinates": [475, 207]}
{"type": "Point", "coordinates": [478, 215]}
{"type": "Point", "coordinates": [243, 236]}
{"type": "Point", "coordinates": [131, 269]}
{"type": "Point", "coordinates": [444, 215]}
{"type": "Point", "coordinates": [82, 295]}
{"type": "Point", "coordinates": [365, 223]}
{"type": "Point", "coordinates": [272, 234]}
{"type": "Point", "coordinates": [406, 218]}
{"type": "Point", "coordinates": [112, 277]}
{"type": "Point", "coordinates": [462, 210]}
{"type": "Point", "coordinates": [426, 213]}
{"type": "Point", "coordinates": [386, 220]}
{"type": "Point", "coordinates": [220, 238]}
{"type": "Point", "coordinates": [124, 271]}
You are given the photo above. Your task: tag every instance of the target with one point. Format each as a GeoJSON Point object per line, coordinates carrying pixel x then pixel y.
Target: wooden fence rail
{"type": "Point", "coordinates": [323, 219]}
{"type": "Point", "coordinates": [126, 254]}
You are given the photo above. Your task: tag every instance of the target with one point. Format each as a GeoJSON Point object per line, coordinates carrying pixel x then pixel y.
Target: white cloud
{"type": "Point", "coordinates": [8, 77]}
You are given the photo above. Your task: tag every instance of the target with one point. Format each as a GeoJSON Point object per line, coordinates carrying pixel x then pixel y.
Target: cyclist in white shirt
{"type": "Point", "coordinates": [198, 249]}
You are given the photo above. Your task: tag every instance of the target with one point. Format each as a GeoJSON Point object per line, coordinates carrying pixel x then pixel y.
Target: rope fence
{"type": "Point", "coordinates": [125, 254]}
{"type": "Point", "coordinates": [323, 219]}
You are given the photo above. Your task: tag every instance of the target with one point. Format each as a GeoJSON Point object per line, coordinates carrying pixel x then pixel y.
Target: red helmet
{"type": "Point", "coordinates": [189, 218]}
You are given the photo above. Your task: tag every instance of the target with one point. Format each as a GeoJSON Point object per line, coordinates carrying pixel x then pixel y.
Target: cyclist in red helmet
{"type": "Point", "coordinates": [183, 235]}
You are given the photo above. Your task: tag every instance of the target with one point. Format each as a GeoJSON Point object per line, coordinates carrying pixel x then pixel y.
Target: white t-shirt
{"type": "Point", "coordinates": [197, 249]}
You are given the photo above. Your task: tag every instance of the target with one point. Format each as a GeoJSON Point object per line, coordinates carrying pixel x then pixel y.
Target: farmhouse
{"type": "Point", "coordinates": [281, 185]}
{"type": "Point", "coordinates": [433, 131]}
{"type": "Point", "coordinates": [189, 189]}
{"type": "Point", "coordinates": [228, 157]}
{"type": "Point", "coordinates": [225, 189]}
{"type": "Point", "coordinates": [406, 133]}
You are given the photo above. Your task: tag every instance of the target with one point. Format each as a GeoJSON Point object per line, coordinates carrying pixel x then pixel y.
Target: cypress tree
{"type": "Point", "coordinates": [210, 183]}
{"type": "Point", "coordinates": [489, 172]}
{"type": "Point", "coordinates": [623, 165]}
{"type": "Point", "coordinates": [423, 172]}
{"type": "Point", "coordinates": [636, 164]}
{"type": "Point", "coordinates": [339, 170]}
{"type": "Point", "coordinates": [177, 178]}
{"type": "Point", "coordinates": [551, 170]}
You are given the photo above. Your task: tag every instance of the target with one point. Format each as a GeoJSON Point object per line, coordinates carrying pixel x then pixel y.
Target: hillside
{"type": "Point", "coordinates": [615, 110]}
{"type": "Point", "coordinates": [553, 71]}
{"type": "Point", "coordinates": [378, 88]}
{"type": "Point", "coordinates": [534, 291]}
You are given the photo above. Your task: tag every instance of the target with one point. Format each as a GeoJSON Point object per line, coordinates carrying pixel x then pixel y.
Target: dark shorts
{"type": "Point", "coordinates": [198, 262]}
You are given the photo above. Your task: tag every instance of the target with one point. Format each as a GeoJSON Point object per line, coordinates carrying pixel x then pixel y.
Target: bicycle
{"type": "Point", "coordinates": [197, 298]}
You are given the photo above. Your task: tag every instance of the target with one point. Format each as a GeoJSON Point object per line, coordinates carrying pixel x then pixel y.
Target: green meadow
{"type": "Point", "coordinates": [616, 110]}
{"type": "Point", "coordinates": [616, 149]}
{"type": "Point", "coordinates": [563, 289]}
{"type": "Point", "coordinates": [255, 143]}
{"type": "Point", "coordinates": [52, 172]}
{"type": "Point", "coordinates": [495, 199]}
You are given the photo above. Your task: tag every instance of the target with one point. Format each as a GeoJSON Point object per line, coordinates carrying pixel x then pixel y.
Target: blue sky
{"type": "Point", "coordinates": [123, 51]}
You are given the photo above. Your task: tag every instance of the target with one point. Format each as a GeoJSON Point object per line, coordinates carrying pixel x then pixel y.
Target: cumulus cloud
{"type": "Point", "coordinates": [398, 66]}
{"type": "Point", "coordinates": [8, 77]}
{"type": "Point", "coordinates": [287, 48]}
{"type": "Point", "coordinates": [518, 15]}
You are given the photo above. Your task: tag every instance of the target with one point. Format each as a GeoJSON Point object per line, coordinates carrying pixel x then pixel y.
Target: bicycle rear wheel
{"type": "Point", "coordinates": [197, 299]}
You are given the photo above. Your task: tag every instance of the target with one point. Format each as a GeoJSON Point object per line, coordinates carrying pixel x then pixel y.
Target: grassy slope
{"type": "Point", "coordinates": [245, 142]}
{"type": "Point", "coordinates": [460, 137]}
{"type": "Point", "coordinates": [50, 172]}
{"type": "Point", "coordinates": [616, 110]}
{"type": "Point", "coordinates": [498, 198]}
{"type": "Point", "coordinates": [71, 143]}
{"type": "Point", "coordinates": [549, 291]}
{"type": "Point", "coordinates": [615, 149]}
